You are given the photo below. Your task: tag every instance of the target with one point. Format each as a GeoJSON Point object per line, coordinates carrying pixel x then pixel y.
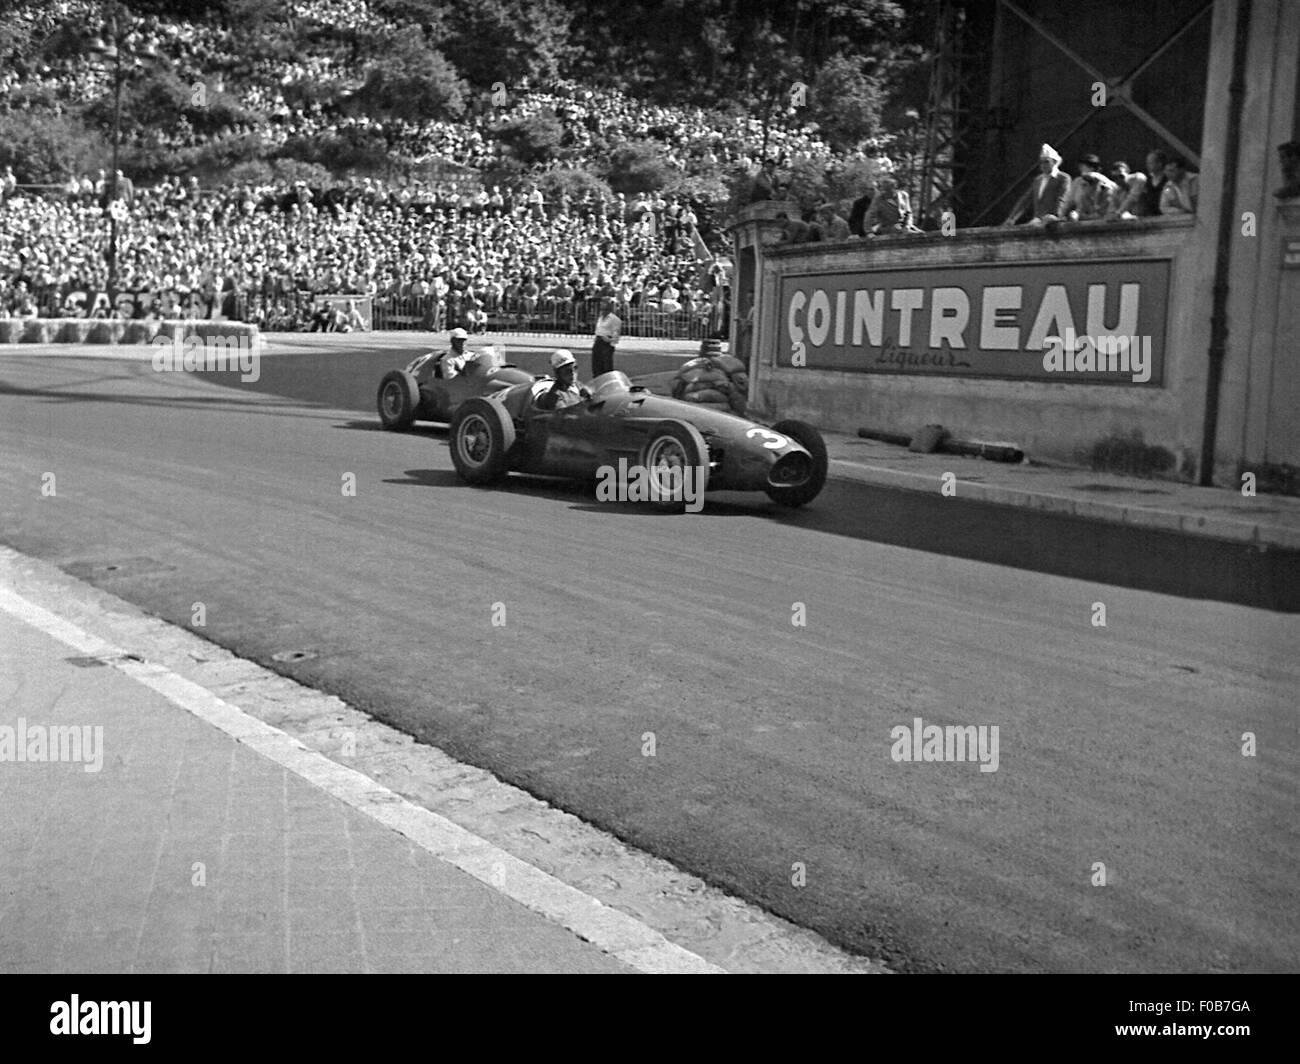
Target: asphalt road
{"type": "Point", "coordinates": [771, 773]}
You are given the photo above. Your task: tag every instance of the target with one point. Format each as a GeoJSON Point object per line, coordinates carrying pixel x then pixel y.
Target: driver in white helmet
{"type": "Point", "coordinates": [565, 389]}
{"type": "Point", "coordinates": [454, 361]}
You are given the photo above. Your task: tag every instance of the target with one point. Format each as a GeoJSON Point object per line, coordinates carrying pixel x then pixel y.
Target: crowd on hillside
{"type": "Point", "coordinates": [469, 249]}
{"type": "Point", "coordinates": [219, 59]}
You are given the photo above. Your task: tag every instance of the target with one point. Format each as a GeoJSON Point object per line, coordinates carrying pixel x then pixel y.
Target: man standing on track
{"type": "Point", "coordinates": [608, 328]}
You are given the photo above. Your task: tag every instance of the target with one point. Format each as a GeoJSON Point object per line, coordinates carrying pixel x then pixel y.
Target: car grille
{"type": "Point", "coordinates": [792, 468]}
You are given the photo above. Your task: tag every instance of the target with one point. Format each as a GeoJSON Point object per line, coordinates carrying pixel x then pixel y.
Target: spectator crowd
{"type": "Point", "coordinates": [461, 252]}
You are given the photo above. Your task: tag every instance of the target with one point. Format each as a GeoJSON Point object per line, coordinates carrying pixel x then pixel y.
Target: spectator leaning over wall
{"type": "Point", "coordinates": [1181, 189]}
{"type": "Point", "coordinates": [1154, 186]}
{"type": "Point", "coordinates": [1129, 186]}
{"type": "Point", "coordinates": [1045, 197]}
{"type": "Point", "coordinates": [1092, 193]}
{"type": "Point", "coordinates": [890, 211]}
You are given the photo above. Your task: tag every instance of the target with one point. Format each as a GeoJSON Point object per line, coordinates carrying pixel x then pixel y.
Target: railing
{"type": "Point", "coordinates": [293, 311]}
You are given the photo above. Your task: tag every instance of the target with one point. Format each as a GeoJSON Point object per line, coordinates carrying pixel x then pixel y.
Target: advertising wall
{"type": "Point", "coordinates": [1085, 322]}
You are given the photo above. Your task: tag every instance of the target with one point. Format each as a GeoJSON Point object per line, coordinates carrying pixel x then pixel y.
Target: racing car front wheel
{"type": "Point", "coordinates": [811, 440]}
{"type": "Point", "coordinates": [677, 460]}
{"type": "Point", "coordinates": [399, 397]}
{"type": "Point", "coordinates": [481, 437]}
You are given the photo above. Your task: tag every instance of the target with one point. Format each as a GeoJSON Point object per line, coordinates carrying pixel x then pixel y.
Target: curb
{"type": "Point", "coordinates": [1199, 525]}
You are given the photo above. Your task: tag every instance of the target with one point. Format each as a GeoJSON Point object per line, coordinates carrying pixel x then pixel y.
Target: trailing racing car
{"type": "Point", "coordinates": [668, 439]}
{"type": "Point", "coordinates": [421, 393]}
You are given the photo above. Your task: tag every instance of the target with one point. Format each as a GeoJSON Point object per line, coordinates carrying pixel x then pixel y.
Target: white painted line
{"type": "Point", "coordinates": [616, 933]}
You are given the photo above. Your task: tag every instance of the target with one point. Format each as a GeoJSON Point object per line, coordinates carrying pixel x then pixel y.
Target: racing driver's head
{"type": "Point", "coordinates": [458, 338]}
{"type": "Point", "coordinates": [565, 366]}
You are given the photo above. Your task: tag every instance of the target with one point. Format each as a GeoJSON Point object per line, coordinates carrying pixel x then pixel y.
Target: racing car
{"type": "Point", "coordinates": [503, 432]}
{"type": "Point", "coordinates": [421, 393]}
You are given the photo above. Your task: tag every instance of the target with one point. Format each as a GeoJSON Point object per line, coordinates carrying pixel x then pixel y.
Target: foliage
{"type": "Point", "coordinates": [639, 166]}
{"type": "Point", "coordinates": [508, 40]}
{"type": "Point", "coordinates": [412, 81]}
{"type": "Point", "coordinates": [576, 183]}
{"type": "Point", "coordinates": [845, 103]}
{"type": "Point", "coordinates": [48, 148]}
{"type": "Point", "coordinates": [532, 141]}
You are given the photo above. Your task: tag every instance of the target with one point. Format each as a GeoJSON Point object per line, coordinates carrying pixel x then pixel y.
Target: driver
{"type": "Point", "coordinates": [565, 389]}
{"type": "Point", "coordinates": [454, 361]}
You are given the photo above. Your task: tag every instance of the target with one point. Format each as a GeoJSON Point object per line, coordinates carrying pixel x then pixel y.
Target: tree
{"type": "Point", "coordinates": [576, 183]}
{"type": "Point", "coordinates": [639, 167]}
{"type": "Point", "coordinates": [48, 148]}
{"type": "Point", "coordinates": [533, 140]}
{"type": "Point", "coordinates": [846, 103]}
{"type": "Point", "coordinates": [506, 40]}
{"type": "Point", "coordinates": [412, 81]}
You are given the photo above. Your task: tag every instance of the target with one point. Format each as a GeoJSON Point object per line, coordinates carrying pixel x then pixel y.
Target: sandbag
{"type": "Point", "coordinates": [695, 363]}
{"type": "Point", "coordinates": [729, 364]}
{"type": "Point", "coordinates": [723, 385]}
{"type": "Point", "coordinates": [707, 395]}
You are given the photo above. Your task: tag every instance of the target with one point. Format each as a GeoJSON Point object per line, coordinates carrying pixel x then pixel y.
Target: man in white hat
{"type": "Point", "coordinates": [1046, 194]}
{"type": "Point", "coordinates": [564, 390]}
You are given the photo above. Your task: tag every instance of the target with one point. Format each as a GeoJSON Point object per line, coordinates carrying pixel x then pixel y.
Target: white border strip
{"type": "Point", "coordinates": [610, 930]}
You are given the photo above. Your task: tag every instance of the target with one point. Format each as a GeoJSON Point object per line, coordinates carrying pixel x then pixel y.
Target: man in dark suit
{"type": "Point", "coordinates": [1046, 194]}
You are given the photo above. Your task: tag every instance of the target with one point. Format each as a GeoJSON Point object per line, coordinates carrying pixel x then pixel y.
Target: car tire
{"type": "Point", "coordinates": [811, 440]}
{"type": "Point", "coordinates": [480, 438]}
{"type": "Point", "coordinates": [677, 444]}
{"type": "Point", "coordinates": [398, 399]}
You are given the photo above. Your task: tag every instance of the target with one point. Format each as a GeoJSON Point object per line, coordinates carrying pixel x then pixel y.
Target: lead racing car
{"type": "Point", "coordinates": [421, 393]}
{"type": "Point", "coordinates": [674, 443]}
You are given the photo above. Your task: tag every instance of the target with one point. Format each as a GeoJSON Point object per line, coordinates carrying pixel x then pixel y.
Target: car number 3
{"type": "Point", "coordinates": [774, 441]}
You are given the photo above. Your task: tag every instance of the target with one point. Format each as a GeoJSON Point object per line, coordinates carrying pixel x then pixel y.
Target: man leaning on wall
{"type": "Point", "coordinates": [1047, 192]}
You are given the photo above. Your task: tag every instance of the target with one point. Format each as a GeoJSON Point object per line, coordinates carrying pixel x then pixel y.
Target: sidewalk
{"type": "Point", "coordinates": [185, 850]}
{"type": "Point", "coordinates": [1271, 521]}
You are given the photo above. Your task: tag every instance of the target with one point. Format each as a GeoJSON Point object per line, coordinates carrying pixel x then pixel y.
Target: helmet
{"type": "Point", "coordinates": [459, 334]}
{"type": "Point", "coordinates": [562, 357]}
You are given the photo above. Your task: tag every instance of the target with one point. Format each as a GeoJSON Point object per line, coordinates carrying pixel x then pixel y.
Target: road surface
{"type": "Point", "coordinates": [650, 678]}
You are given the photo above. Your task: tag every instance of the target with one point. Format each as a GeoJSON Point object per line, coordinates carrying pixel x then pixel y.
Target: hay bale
{"type": "Point", "coordinates": [41, 330]}
{"type": "Point", "coordinates": [106, 331]}
{"type": "Point", "coordinates": [140, 331]}
{"type": "Point", "coordinates": [707, 396]}
{"type": "Point", "coordinates": [74, 331]}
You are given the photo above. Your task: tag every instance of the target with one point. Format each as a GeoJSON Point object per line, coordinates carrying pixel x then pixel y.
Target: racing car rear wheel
{"type": "Point", "coordinates": [481, 437]}
{"type": "Point", "coordinates": [677, 460]}
{"type": "Point", "coordinates": [399, 398]}
{"type": "Point", "coordinates": [811, 440]}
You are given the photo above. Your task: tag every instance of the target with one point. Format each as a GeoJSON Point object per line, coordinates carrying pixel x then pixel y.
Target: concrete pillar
{"type": "Point", "coordinates": [754, 229]}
